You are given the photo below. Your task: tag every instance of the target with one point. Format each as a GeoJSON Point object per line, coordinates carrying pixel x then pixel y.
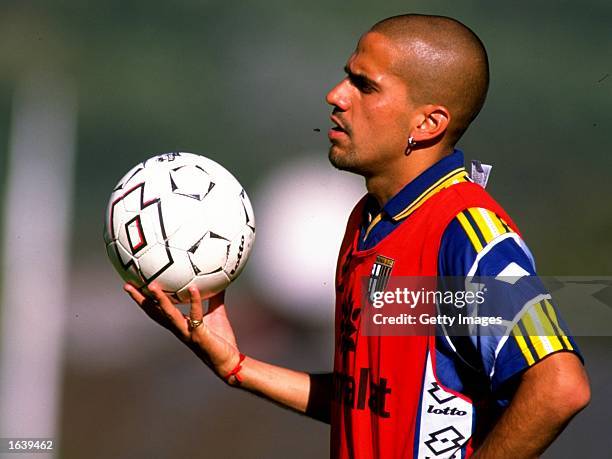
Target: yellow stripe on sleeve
{"type": "Point", "coordinates": [470, 232]}
{"type": "Point", "coordinates": [522, 344]}
{"type": "Point", "coordinates": [482, 224]}
{"type": "Point", "coordinates": [551, 312]}
{"type": "Point", "coordinates": [548, 328]}
{"type": "Point", "coordinates": [485, 223]}
{"type": "Point", "coordinates": [536, 341]}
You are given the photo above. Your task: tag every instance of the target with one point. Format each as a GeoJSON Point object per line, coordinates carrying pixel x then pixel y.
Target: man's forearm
{"type": "Point", "coordinates": [547, 398]}
{"type": "Point", "coordinates": [299, 391]}
{"type": "Point", "coordinates": [523, 432]}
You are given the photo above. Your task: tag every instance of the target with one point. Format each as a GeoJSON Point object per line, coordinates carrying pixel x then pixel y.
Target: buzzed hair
{"type": "Point", "coordinates": [443, 62]}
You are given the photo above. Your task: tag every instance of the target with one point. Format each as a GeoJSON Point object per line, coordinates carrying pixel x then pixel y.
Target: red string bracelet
{"type": "Point", "coordinates": [236, 370]}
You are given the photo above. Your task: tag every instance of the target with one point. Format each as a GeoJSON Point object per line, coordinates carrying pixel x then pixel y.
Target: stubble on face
{"type": "Point", "coordinates": [369, 100]}
{"type": "Point", "coordinates": [344, 158]}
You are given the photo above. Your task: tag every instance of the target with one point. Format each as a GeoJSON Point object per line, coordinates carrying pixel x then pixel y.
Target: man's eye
{"type": "Point", "coordinates": [362, 86]}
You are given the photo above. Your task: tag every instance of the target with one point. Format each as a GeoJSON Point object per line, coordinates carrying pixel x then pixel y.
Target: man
{"type": "Point", "coordinates": [413, 86]}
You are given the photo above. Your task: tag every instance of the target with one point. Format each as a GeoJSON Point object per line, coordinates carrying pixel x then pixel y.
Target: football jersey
{"type": "Point", "coordinates": [479, 243]}
{"type": "Point", "coordinates": [420, 396]}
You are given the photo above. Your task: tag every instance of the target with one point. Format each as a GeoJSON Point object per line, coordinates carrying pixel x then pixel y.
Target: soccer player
{"type": "Point", "coordinates": [412, 87]}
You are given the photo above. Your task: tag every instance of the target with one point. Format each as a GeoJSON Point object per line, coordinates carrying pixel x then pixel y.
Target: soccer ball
{"type": "Point", "coordinates": [180, 219]}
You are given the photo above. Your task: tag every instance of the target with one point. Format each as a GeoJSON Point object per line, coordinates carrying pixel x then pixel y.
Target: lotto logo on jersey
{"type": "Point", "coordinates": [444, 441]}
{"type": "Point", "coordinates": [445, 423]}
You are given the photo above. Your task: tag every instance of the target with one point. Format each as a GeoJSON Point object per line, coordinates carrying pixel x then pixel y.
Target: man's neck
{"type": "Point", "coordinates": [387, 184]}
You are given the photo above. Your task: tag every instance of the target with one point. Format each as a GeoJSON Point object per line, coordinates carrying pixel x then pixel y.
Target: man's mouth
{"type": "Point", "coordinates": [336, 133]}
{"type": "Point", "coordinates": [338, 124]}
{"type": "Point", "coordinates": [337, 130]}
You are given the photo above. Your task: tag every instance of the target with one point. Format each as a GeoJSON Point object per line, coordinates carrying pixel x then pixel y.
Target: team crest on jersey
{"type": "Point", "coordinates": [379, 277]}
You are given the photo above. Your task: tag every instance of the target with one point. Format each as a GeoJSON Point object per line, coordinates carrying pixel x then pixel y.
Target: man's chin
{"type": "Point", "coordinates": [341, 160]}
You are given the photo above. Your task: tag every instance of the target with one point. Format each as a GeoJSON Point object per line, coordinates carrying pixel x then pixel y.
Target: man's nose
{"type": "Point", "coordinates": [338, 96]}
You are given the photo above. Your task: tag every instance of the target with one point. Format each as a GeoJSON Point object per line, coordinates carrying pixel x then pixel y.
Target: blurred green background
{"type": "Point", "coordinates": [244, 83]}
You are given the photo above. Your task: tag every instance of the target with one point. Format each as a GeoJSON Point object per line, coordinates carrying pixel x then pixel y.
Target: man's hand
{"type": "Point", "coordinates": [213, 341]}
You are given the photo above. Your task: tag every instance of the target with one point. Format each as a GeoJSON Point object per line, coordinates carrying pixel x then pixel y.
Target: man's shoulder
{"type": "Point", "coordinates": [479, 241]}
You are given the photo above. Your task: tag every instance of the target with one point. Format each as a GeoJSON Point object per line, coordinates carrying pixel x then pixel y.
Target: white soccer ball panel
{"type": "Point", "coordinates": [185, 220]}
{"type": "Point", "coordinates": [157, 184]}
{"type": "Point", "coordinates": [208, 285]}
{"type": "Point", "coordinates": [178, 274]}
{"type": "Point", "coordinates": [190, 181]}
{"type": "Point", "coordinates": [239, 252]}
{"type": "Point", "coordinates": [224, 213]}
{"type": "Point", "coordinates": [132, 197]}
{"type": "Point", "coordinates": [210, 254]}
{"type": "Point", "coordinates": [168, 266]}
{"type": "Point", "coordinates": [220, 175]}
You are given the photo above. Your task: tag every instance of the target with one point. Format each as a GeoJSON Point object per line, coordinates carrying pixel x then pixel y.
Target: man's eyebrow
{"type": "Point", "coordinates": [359, 77]}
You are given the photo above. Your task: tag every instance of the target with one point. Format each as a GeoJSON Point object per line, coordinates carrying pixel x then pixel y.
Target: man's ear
{"type": "Point", "coordinates": [432, 123]}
